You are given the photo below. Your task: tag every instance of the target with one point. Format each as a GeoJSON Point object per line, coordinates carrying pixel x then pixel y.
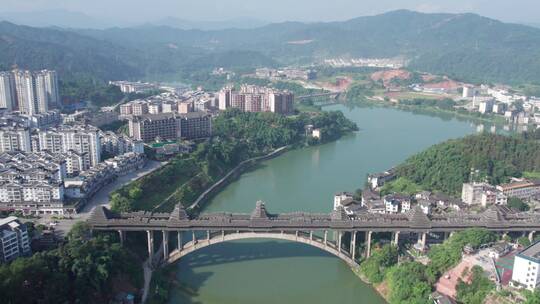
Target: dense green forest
{"type": "Point", "coordinates": [237, 136]}
{"type": "Point", "coordinates": [80, 271]}
{"type": "Point", "coordinates": [444, 167]}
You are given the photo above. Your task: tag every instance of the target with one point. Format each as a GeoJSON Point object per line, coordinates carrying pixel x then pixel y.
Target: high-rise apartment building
{"type": "Point", "coordinates": [7, 91]}
{"type": "Point", "coordinates": [46, 90]}
{"type": "Point", "coordinates": [30, 92]}
{"type": "Point", "coordinates": [25, 91]}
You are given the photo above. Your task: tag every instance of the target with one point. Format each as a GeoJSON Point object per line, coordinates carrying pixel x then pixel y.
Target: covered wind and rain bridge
{"type": "Point", "coordinates": [324, 231]}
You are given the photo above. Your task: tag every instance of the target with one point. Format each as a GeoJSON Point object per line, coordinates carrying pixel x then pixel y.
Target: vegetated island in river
{"type": "Point", "coordinates": [237, 137]}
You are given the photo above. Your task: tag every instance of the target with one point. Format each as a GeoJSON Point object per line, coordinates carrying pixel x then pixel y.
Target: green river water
{"type": "Point", "coordinates": [267, 271]}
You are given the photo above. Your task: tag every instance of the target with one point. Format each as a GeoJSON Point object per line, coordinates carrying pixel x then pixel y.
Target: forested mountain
{"type": "Point", "coordinates": [69, 53]}
{"type": "Point", "coordinates": [75, 55]}
{"type": "Point", "coordinates": [466, 46]}
{"type": "Point", "coordinates": [446, 166]}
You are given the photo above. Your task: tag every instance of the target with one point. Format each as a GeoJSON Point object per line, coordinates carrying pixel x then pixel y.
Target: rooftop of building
{"type": "Point", "coordinates": [519, 184]}
{"type": "Point", "coordinates": [531, 252]}
{"type": "Point", "coordinates": [7, 220]}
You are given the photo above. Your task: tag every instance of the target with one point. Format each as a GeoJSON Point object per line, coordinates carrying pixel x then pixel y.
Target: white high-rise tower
{"type": "Point", "coordinates": [26, 93]}
{"type": "Point", "coordinates": [7, 91]}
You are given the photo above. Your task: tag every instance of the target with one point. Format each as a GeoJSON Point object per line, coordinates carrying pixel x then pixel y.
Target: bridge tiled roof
{"type": "Point", "coordinates": [495, 218]}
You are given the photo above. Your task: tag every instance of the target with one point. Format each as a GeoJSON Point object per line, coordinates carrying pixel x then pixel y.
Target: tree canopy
{"type": "Point", "coordinates": [445, 167]}
{"type": "Point", "coordinates": [80, 271]}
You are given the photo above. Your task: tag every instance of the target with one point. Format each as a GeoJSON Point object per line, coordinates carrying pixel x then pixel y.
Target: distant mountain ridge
{"type": "Point", "coordinates": [465, 46]}
{"type": "Point", "coordinates": [237, 23]}
{"type": "Point", "coordinates": [54, 18]}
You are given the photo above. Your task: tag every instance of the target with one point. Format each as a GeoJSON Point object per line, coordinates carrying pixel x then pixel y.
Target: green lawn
{"type": "Point", "coordinates": [531, 175]}
{"type": "Point", "coordinates": [155, 191]}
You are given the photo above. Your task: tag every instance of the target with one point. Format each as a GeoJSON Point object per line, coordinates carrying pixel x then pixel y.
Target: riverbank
{"type": "Point", "coordinates": [234, 173]}
{"type": "Point", "coordinates": [468, 116]}
{"type": "Point", "coordinates": [381, 288]}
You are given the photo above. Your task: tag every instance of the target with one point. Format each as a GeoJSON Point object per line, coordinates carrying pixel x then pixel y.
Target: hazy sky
{"type": "Point", "coordinates": [274, 10]}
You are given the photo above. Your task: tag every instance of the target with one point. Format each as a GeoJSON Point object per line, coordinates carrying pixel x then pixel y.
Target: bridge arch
{"type": "Point", "coordinates": [311, 240]}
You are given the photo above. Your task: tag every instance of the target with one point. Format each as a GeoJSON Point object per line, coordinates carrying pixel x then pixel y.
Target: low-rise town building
{"type": "Point", "coordinates": [86, 184]}
{"type": "Point", "coordinates": [520, 188]}
{"type": "Point", "coordinates": [379, 179]}
{"type": "Point", "coordinates": [346, 201]}
{"type": "Point", "coordinates": [114, 144]}
{"type": "Point", "coordinates": [127, 163]}
{"type": "Point", "coordinates": [14, 239]}
{"type": "Point", "coordinates": [396, 203]}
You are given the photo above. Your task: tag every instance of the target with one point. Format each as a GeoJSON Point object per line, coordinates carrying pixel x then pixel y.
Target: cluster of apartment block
{"type": "Point", "coordinates": [44, 168]}
{"type": "Point", "coordinates": [81, 139]}
{"type": "Point", "coordinates": [134, 87]}
{"type": "Point", "coordinates": [118, 144]}
{"type": "Point", "coordinates": [32, 181]}
{"type": "Point", "coordinates": [286, 73]}
{"type": "Point", "coordinates": [250, 98]}
{"type": "Point", "coordinates": [191, 101]}
{"type": "Point", "coordinates": [44, 120]}
{"type": "Point", "coordinates": [393, 63]}
{"type": "Point", "coordinates": [42, 182]}
{"type": "Point", "coordinates": [14, 239]}
{"type": "Point", "coordinates": [29, 92]}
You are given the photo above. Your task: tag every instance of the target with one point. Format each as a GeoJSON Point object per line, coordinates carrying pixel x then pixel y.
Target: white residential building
{"type": "Point", "coordinates": [46, 87]}
{"type": "Point", "coordinates": [15, 138]}
{"type": "Point", "coordinates": [395, 203]}
{"type": "Point", "coordinates": [347, 202]}
{"type": "Point", "coordinates": [25, 90]}
{"type": "Point", "coordinates": [471, 193]}
{"type": "Point", "coordinates": [526, 272]}
{"type": "Point", "coordinates": [32, 182]}
{"type": "Point", "coordinates": [7, 91]}
{"type": "Point", "coordinates": [486, 106]}
{"type": "Point", "coordinates": [79, 138]}
{"type": "Point", "coordinates": [116, 144]}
